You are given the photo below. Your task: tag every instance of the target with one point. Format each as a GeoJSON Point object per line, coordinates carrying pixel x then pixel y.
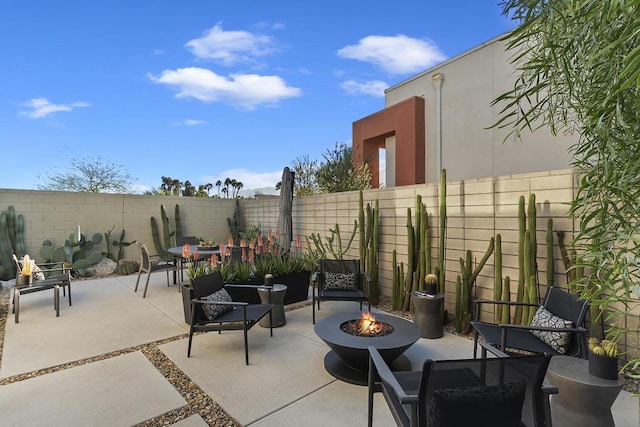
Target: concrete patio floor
{"type": "Point", "coordinates": [93, 365]}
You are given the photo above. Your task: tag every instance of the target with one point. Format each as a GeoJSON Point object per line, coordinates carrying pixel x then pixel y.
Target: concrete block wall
{"type": "Point", "coordinates": [55, 215]}
{"type": "Point", "coordinates": [477, 209]}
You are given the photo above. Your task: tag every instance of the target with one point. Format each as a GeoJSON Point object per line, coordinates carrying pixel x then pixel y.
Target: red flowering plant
{"type": "Point", "coordinates": [258, 257]}
{"type": "Point", "coordinates": [195, 266]}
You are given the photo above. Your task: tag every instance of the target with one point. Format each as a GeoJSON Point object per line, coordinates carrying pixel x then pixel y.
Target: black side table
{"type": "Point", "coordinates": [427, 314]}
{"type": "Point", "coordinates": [584, 400]}
{"type": "Point", "coordinates": [277, 298]}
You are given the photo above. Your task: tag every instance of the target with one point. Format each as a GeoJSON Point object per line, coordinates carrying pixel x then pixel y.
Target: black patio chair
{"type": "Point", "coordinates": [213, 309]}
{"type": "Point", "coordinates": [152, 263]}
{"type": "Point", "coordinates": [181, 241]}
{"type": "Point", "coordinates": [493, 392]}
{"type": "Point", "coordinates": [340, 280]}
{"type": "Point", "coordinates": [568, 339]}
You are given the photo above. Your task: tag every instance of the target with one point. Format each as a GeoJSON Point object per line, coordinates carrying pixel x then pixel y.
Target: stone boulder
{"type": "Point", "coordinates": [103, 268]}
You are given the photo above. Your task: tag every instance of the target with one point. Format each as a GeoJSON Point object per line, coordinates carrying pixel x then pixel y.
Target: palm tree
{"type": "Point", "coordinates": [225, 190]}
{"type": "Point", "coordinates": [227, 183]}
{"type": "Point", "coordinates": [208, 186]}
{"type": "Point", "coordinates": [238, 187]}
{"type": "Point", "coordinates": [218, 184]}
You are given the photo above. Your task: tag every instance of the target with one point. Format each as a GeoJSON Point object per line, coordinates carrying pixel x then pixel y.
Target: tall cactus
{"type": "Point", "coordinates": [166, 230]}
{"type": "Point", "coordinates": [368, 227]}
{"type": "Point", "coordinates": [11, 241]}
{"type": "Point", "coordinates": [6, 263]}
{"type": "Point", "coordinates": [178, 221]}
{"type": "Point", "coordinates": [464, 290]}
{"type": "Point", "coordinates": [522, 228]}
{"type": "Point", "coordinates": [498, 285]}
{"type": "Point", "coordinates": [550, 261]}
{"type": "Point", "coordinates": [162, 242]}
{"type": "Point", "coordinates": [506, 297]}
{"type": "Point", "coordinates": [442, 230]}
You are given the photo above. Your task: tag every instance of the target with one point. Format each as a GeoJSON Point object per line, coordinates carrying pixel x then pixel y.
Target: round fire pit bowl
{"type": "Point", "coordinates": [348, 359]}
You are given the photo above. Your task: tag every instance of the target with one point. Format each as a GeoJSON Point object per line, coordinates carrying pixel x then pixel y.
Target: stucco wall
{"type": "Point", "coordinates": [472, 81]}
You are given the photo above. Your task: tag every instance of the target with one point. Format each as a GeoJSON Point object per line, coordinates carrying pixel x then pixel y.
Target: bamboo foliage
{"type": "Point", "coordinates": [580, 62]}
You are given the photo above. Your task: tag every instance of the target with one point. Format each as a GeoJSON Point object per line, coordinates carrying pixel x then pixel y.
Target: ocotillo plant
{"type": "Point", "coordinates": [464, 288]}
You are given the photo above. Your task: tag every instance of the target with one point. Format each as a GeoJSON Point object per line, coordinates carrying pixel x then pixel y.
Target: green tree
{"type": "Point", "coordinates": [90, 174]}
{"type": "Point", "coordinates": [578, 67]}
{"type": "Point", "coordinates": [305, 172]}
{"type": "Point", "coordinates": [336, 172]}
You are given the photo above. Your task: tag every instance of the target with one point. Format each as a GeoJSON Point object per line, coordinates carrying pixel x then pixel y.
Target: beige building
{"type": "Point", "coordinates": [441, 118]}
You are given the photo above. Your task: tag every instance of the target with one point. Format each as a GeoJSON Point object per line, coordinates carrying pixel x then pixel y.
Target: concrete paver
{"type": "Point", "coordinates": [284, 385]}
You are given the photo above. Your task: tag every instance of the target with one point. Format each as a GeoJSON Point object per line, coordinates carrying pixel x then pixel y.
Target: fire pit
{"type": "Point", "coordinates": [349, 334]}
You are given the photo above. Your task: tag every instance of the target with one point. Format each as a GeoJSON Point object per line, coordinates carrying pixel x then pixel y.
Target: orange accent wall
{"type": "Point", "coordinates": [406, 121]}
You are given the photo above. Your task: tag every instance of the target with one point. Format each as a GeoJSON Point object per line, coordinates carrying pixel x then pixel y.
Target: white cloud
{"type": "Point", "coordinates": [231, 47]}
{"type": "Point", "coordinates": [41, 108]}
{"type": "Point", "coordinates": [246, 91]}
{"type": "Point", "coordinates": [190, 122]}
{"type": "Point", "coordinates": [249, 179]}
{"type": "Point", "coordinates": [395, 54]}
{"type": "Point", "coordinates": [373, 88]}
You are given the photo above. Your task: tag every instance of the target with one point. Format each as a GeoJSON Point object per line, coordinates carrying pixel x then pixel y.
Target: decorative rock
{"type": "Point", "coordinates": [103, 268]}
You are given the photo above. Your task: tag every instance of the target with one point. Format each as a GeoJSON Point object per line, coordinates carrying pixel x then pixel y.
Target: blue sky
{"type": "Point", "coordinates": [201, 90]}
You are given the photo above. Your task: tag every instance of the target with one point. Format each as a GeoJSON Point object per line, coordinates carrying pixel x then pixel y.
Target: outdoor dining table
{"type": "Point", "coordinates": [203, 252]}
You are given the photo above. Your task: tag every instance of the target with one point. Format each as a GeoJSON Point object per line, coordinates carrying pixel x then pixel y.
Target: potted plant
{"type": "Point", "coordinates": [24, 279]}
{"type": "Point", "coordinates": [603, 358]}
{"type": "Point", "coordinates": [292, 269]}
{"type": "Point", "coordinates": [264, 256]}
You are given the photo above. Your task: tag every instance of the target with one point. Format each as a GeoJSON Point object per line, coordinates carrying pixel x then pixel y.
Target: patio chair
{"type": "Point", "coordinates": [39, 284]}
{"type": "Point", "coordinates": [153, 263]}
{"type": "Point", "coordinates": [340, 280]}
{"type": "Point", "coordinates": [213, 309]}
{"type": "Point", "coordinates": [181, 241]}
{"type": "Point", "coordinates": [557, 327]}
{"type": "Point", "coordinates": [503, 391]}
